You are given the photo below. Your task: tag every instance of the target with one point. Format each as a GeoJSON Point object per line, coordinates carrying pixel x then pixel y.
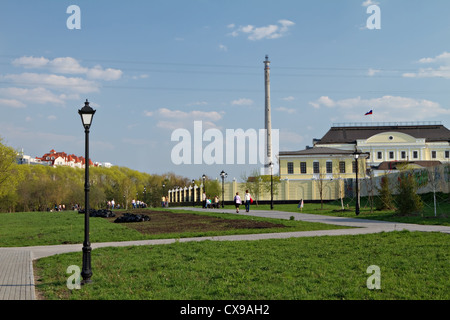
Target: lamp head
{"type": "Point", "coordinates": [86, 113]}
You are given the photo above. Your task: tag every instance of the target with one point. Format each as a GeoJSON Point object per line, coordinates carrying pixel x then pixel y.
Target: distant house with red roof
{"type": "Point", "coordinates": [55, 159]}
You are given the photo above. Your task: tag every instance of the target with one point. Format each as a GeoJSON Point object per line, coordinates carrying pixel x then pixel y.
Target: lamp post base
{"type": "Point", "coordinates": [86, 272]}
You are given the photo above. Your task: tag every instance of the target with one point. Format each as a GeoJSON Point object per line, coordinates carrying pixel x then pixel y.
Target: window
{"type": "Point", "coordinates": [403, 154]}
{"type": "Point", "coordinates": [447, 154]}
{"type": "Point", "coordinates": [379, 155]}
{"type": "Point", "coordinates": [302, 167]}
{"type": "Point", "coordinates": [329, 167]}
{"type": "Point", "coordinates": [342, 166]}
{"type": "Point", "coordinates": [391, 154]}
{"type": "Point", "coordinates": [290, 167]}
{"type": "Point", "coordinates": [433, 154]}
{"type": "Point", "coordinates": [316, 168]}
{"type": "Point", "coordinates": [415, 154]}
{"type": "Point", "coordinates": [354, 166]}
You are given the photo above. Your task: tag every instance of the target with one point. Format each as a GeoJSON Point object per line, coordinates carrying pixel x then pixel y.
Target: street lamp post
{"type": "Point", "coordinates": [87, 114]}
{"type": "Point", "coordinates": [271, 185]}
{"type": "Point", "coordinates": [145, 195]}
{"type": "Point", "coordinates": [193, 193]}
{"type": "Point", "coordinates": [356, 154]}
{"type": "Point", "coordinates": [223, 174]}
{"type": "Point", "coordinates": [164, 198]}
{"type": "Point", "coordinates": [204, 190]}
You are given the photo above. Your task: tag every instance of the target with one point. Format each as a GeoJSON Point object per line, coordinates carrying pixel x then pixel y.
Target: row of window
{"type": "Point", "coordinates": [415, 155]}
{"type": "Point", "coordinates": [316, 167]}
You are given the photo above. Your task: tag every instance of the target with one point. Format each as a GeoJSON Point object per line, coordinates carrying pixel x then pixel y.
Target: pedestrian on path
{"type": "Point", "coordinates": [237, 201]}
{"type": "Point", "coordinates": [247, 199]}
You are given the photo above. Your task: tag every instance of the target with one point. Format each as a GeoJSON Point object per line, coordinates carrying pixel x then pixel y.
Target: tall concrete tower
{"type": "Point", "coordinates": [267, 120]}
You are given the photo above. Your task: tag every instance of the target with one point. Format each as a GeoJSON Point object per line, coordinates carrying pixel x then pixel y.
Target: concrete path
{"type": "Point", "coordinates": [16, 264]}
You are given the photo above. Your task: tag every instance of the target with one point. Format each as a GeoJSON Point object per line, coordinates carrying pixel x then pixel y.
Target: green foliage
{"type": "Point", "coordinates": [7, 168]}
{"type": "Point", "coordinates": [414, 266]}
{"type": "Point", "coordinates": [385, 200]}
{"type": "Point", "coordinates": [39, 188]}
{"type": "Point", "coordinates": [408, 201]}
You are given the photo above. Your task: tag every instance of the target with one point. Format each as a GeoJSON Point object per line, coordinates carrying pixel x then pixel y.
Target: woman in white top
{"type": "Point", "coordinates": [247, 198]}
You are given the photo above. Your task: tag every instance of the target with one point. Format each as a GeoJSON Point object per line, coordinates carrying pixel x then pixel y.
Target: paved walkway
{"type": "Point", "coordinates": [16, 264]}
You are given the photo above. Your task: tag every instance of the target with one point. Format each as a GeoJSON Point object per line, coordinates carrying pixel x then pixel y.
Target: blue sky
{"type": "Point", "coordinates": [151, 67]}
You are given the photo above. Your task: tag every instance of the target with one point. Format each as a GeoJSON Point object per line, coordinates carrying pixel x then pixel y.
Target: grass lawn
{"type": "Point", "coordinates": [52, 228]}
{"type": "Point", "coordinates": [333, 208]}
{"type": "Point", "coordinates": [413, 266]}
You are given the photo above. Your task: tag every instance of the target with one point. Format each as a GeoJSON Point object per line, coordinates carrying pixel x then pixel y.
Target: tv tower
{"type": "Point", "coordinates": [267, 120]}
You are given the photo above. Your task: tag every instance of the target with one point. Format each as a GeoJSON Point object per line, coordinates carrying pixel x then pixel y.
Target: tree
{"type": "Point", "coordinates": [386, 200]}
{"type": "Point", "coordinates": [7, 164]}
{"type": "Point", "coordinates": [370, 185]}
{"type": "Point", "coordinates": [408, 201]}
{"type": "Point", "coordinates": [253, 184]}
{"type": "Point", "coordinates": [338, 177]}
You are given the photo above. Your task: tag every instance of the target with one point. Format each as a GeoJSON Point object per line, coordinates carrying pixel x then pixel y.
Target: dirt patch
{"type": "Point", "coordinates": [169, 222]}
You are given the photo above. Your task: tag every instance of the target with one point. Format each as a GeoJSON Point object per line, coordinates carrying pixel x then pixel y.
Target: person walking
{"type": "Point", "coordinates": [204, 200]}
{"type": "Point", "coordinates": [237, 201]}
{"type": "Point", "coordinates": [247, 199]}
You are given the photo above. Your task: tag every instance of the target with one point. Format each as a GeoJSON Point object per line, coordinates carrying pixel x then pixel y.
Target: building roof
{"type": "Point", "coordinates": [392, 165]}
{"type": "Point", "coordinates": [316, 151]}
{"type": "Point", "coordinates": [431, 133]}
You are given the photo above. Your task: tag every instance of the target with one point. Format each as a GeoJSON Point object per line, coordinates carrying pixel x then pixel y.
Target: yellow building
{"type": "Point", "coordinates": [328, 169]}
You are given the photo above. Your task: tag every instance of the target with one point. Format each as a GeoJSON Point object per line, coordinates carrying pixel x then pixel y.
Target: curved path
{"type": "Point", "coordinates": [16, 264]}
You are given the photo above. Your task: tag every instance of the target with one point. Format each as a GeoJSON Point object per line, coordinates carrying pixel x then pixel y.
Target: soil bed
{"type": "Point", "coordinates": [168, 222]}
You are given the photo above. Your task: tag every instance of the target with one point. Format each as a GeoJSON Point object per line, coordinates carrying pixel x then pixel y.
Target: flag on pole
{"type": "Point", "coordinates": [368, 113]}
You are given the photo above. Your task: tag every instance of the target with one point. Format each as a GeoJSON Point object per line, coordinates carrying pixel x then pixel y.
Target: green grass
{"type": "Point", "coordinates": [414, 266]}
{"type": "Point", "coordinates": [52, 228]}
{"type": "Point", "coordinates": [426, 217]}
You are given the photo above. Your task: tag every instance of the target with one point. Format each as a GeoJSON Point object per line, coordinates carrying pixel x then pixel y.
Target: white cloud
{"type": "Point", "coordinates": [271, 31]}
{"type": "Point", "coordinates": [442, 71]}
{"type": "Point", "coordinates": [98, 73]}
{"type": "Point", "coordinates": [54, 81]}
{"type": "Point", "coordinates": [197, 103]}
{"type": "Point", "coordinates": [242, 102]}
{"type": "Point", "coordinates": [386, 108]}
{"type": "Point", "coordinates": [193, 115]}
{"type": "Point", "coordinates": [443, 57]}
{"type": "Point", "coordinates": [287, 110]}
{"type": "Point", "coordinates": [290, 98]}
{"type": "Point", "coordinates": [183, 115]}
{"type": "Point", "coordinates": [323, 101]}
{"type": "Point", "coordinates": [68, 65]}
{"type": "Point", "coordinates": [30, 62]}
{"type": "Point", "coordinates": [141, 76]}
{"type": "Point", "coordinates": [371, 72]}
{"type": "Point", "coordinates": [12, 103]}
{"type": "Point", "coordinates": [174, 119]}
{"type": "Point", "coordinates": [367, 3]}
{"type": "Point", "coordinates": [35, 95]}
{"type": "Point", "coordinates": [223, 47]}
